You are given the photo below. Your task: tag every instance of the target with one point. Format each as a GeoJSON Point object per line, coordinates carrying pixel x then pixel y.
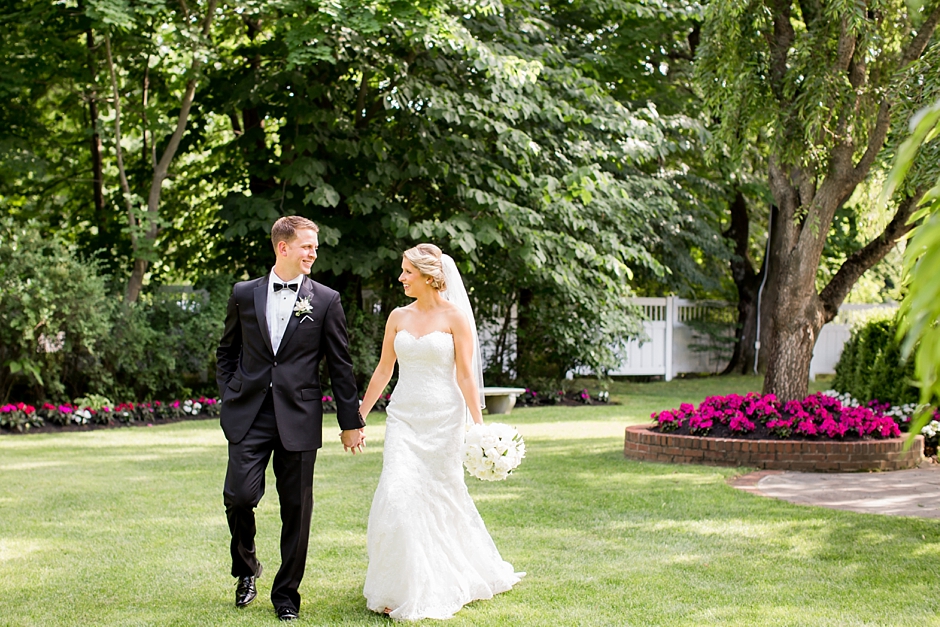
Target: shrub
{"type": "Point", "coordinates": [63, 336]}
{"type": "Point", "coordinates": [54, 311]}
{"type": "Point", "coordinates": [162, 346]}
{"type": "Point", "coordinates": [871, 366]}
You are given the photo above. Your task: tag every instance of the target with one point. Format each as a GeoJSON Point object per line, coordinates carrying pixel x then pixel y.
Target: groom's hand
{"type": "Point", "coordinates": [354, 440]}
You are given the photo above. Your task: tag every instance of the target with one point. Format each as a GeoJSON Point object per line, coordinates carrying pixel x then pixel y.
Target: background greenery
{"type": "Point", "coordinates": [126, 526]}
{"type": "Point", "coordinates": [872, 365]}
{"type": "Point", "coordinates": [62, 335]}
{"type": "Point", "coordinates": [569, 154]}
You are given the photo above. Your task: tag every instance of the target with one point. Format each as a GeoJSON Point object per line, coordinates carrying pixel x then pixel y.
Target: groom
{"type": "Point", "coordinates": [277, 329]}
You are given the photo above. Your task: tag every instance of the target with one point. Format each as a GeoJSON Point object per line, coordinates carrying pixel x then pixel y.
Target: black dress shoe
{"type": "Point", "coordinates": [245, 591]}
{"type": "Point", "coordinates": [286, 613]}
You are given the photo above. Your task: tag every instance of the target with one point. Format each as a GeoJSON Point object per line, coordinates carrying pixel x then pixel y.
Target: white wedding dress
{"type": "Point", "coordinates": [429, 551]}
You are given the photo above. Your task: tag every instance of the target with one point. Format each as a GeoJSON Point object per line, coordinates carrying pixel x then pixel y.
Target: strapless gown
{"type": "Point", "coordinates": [429, 551]}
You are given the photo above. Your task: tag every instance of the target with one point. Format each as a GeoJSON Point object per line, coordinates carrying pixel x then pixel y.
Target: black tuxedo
{"type": "Point", "coordinates": [271, 403]}
{"type": "Point", "coordinates": [248, 369]}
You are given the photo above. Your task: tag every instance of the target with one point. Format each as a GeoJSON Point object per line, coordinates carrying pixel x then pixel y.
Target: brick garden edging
{"type": "Point", "coordinates": [829, 456]}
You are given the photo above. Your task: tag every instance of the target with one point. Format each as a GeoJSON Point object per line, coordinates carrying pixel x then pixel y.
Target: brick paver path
{"type": "Point", "coordinates": [898, 493]}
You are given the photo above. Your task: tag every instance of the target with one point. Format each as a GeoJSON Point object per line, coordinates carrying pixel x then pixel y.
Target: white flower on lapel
{"type": "Point", "coordinates": [303, 306]}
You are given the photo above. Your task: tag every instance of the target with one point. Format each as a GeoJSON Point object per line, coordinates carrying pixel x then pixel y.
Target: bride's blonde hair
{"type": "Point", "coordinates": [427, 259]}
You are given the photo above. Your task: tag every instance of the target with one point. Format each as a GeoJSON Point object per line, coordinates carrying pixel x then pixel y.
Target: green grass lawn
{"type": "Point", "coordinates": [126, 527]}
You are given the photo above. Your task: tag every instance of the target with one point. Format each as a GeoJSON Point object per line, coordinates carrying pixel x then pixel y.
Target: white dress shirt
{"type": "Point", "coordinates": [280, 307]}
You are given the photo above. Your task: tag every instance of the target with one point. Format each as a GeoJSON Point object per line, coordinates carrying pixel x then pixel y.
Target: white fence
{"type": "Point", "coordinates": [672, 346]}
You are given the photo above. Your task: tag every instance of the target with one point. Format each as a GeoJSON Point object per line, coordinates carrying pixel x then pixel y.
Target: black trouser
{"type": "Point", "coordinates": [244, 487]}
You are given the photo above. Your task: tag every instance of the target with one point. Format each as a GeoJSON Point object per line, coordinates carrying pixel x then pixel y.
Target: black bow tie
{"type": "Point", "coordinates": [280, 286]}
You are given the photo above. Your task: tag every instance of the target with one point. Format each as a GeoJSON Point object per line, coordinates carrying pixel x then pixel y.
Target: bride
{"type": "Point", "coordinates": [429, 551]}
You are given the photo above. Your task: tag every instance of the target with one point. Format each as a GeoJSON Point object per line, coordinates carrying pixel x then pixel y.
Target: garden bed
{"type": "Point", "coordinates": [819, 433]}
{"type": "Point", "coordinates": [641, 442]}
{"type": "Point", "coordinates": [52, 418]}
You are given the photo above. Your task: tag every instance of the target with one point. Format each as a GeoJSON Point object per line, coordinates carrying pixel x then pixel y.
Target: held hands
{"type": "Point", "coordinates": [354, 440]}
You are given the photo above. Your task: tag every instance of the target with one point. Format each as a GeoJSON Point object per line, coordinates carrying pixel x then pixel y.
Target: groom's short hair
{"type": "Point", "coordinates": [285, 229]}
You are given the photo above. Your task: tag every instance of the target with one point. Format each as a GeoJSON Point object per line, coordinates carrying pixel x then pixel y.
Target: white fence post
{"type": "Point", "coordinates": [670, 323]}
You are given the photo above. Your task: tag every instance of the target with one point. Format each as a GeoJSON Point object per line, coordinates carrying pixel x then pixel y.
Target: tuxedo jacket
{"type": "Point", "coordinates": [248, 368]}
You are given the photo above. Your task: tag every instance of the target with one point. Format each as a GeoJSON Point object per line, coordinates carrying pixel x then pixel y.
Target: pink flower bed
{"type": "Point", "coordinates": [816, 416]}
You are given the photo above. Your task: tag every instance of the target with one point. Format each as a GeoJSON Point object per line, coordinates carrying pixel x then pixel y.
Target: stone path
{"type": "Point", "coordinates": [898, 493]}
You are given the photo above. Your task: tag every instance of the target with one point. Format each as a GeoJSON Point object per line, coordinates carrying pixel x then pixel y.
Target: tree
{"type": "Point", "coordinates": [820, 79]}
{"type": "Point", "coordinates": [470, 124]}
{"type": "Point", "coordinates": [144, 221]}
{"type": "Point", "coordinates": [476, 133]}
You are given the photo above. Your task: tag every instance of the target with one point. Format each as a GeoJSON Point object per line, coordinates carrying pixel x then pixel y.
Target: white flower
{"type": "Point", "coordinates": [492, 451]}
{"type": "Point", "coordinates": [488, 440]}
{"type": "Point", "coordinates": [303, 306]}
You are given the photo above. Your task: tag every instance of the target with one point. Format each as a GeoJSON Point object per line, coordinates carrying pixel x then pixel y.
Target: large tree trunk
{"type": "Point", "coordinates": [796, 329]}
{"type": "Point", "coordinates": [808, 192]}
{"type": "Point", "coordinates": [799, 312]}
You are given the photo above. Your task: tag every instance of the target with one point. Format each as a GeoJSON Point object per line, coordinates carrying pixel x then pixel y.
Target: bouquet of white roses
{"type": "Point", "coordinates": [491, 452]}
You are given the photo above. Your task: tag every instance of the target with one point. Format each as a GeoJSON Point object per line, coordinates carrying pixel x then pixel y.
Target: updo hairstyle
{"type": "Point", "coordinates": [427, 259]}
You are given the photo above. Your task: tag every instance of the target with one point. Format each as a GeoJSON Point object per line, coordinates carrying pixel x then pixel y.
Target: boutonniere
{"type": "Point", "coordinates": [303, 306]}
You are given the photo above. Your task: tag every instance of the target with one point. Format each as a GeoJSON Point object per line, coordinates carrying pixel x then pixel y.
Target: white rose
{"type": "Point", "coordinates": [503, 465]}
{"type": "Point", "coordinates": [474, 436]}
{"type": "Point", "coordinates": [488, 441]}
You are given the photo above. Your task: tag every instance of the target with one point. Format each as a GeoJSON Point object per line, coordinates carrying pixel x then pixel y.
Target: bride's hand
{"type": "Point", "coordinates": [354, 440]}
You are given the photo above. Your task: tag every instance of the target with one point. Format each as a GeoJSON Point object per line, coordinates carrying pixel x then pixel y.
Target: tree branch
{"type": "Point", "coordinates": [879, 133]}
{"type": "Point", "coordinates": [361, 99]}
{"type": "Point", "coordinates": [863, 259]}
{"type": "Point", "coordinates": [810, 10]}
{"type": "Point", "coordinates": [846, 47]}
{"type": "Point", "coordinates": [119, 152]}
{"type": "Point", "coordinates": [162, 167]}
{"type": "Point", "coordinates": [780, 45]}
{"type": "Point", "coordinates": [919, 43]}
{"type": "Point", "coordinates": [876, 140]}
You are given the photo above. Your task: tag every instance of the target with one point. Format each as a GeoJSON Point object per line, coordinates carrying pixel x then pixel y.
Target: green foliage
{"type": "Point", "coordinates": [872, 367]}
{"type": "Point", "coordinates": [920, 310]}
{"type": "Point", "coordinates": [366, 330]}
{"type": "Point", "coordinates": [93, 401]}
{"type": "Point", "coordinates": [163, 346]}
{"type": "Point", "coordinates": [482, 127]}
{"type": "Point", "coordinates": [63, 336]}
{"type": "Point", "coordinates": [54, 312]}
{"type": "Point", "coordinates": [479, 134]}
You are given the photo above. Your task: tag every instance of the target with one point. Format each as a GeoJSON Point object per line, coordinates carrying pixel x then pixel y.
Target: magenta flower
{"type": "Point", "coordinates": [740, 423]}
{"type": "Point", "coordinates": [699, 424]}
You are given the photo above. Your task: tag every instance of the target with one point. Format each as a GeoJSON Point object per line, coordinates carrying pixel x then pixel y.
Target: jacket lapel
{"type": "Point", "coordinates": [261, 311]}
{"type": "Point", "coordinates": [305, 291]}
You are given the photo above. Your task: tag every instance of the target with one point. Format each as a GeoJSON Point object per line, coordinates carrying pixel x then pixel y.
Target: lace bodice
{"type": "Point", "coordinates": [429, 357]}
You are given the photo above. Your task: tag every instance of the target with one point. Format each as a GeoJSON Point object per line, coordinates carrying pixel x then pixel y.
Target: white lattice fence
{"type": "Point", "coordinates": [673, 346]}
